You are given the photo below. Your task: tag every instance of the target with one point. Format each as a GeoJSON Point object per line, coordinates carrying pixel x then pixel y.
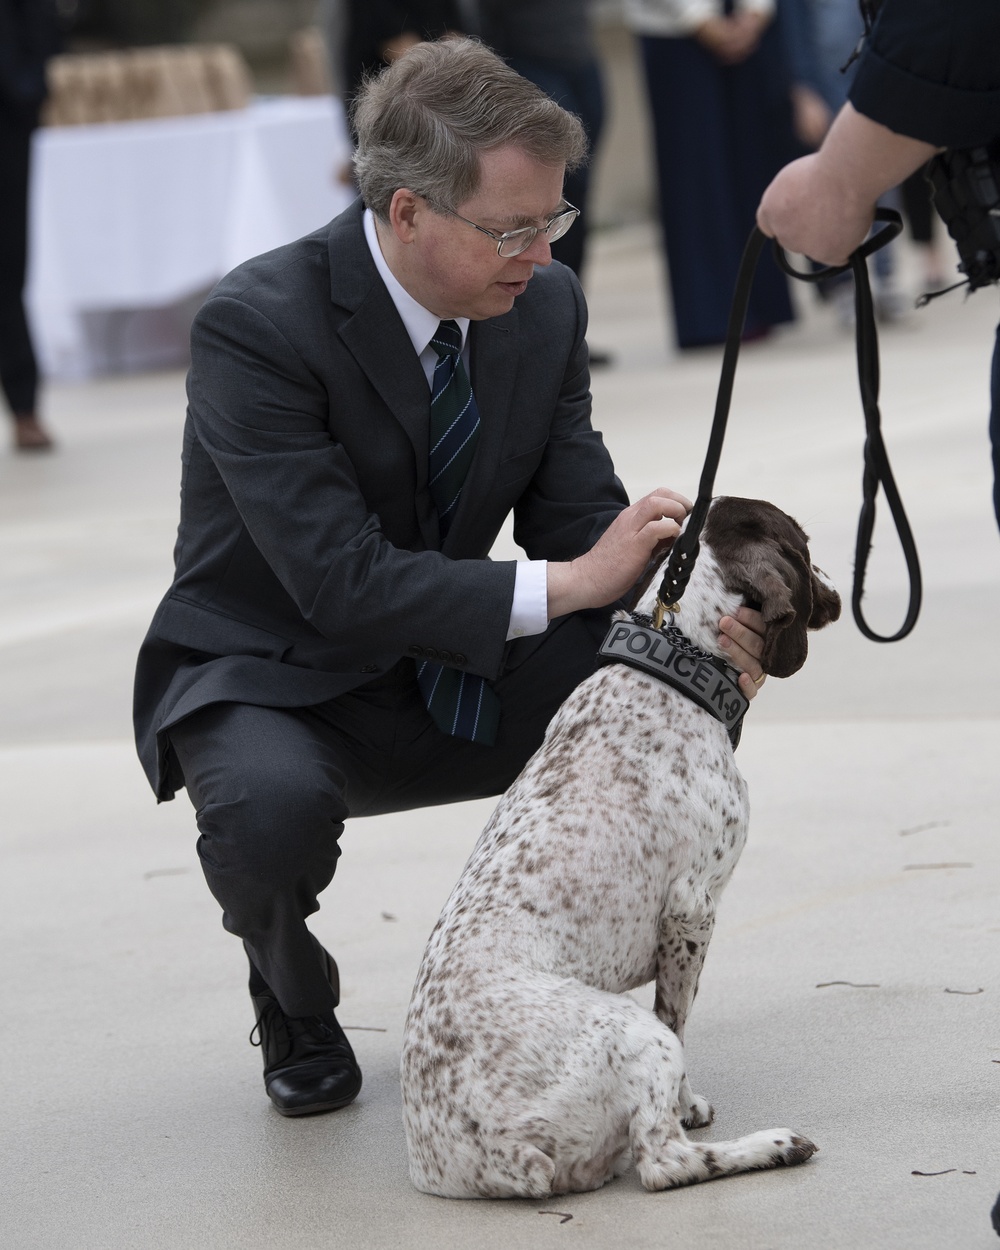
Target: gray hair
{"type": "Point", "coordinates": [424, 123]}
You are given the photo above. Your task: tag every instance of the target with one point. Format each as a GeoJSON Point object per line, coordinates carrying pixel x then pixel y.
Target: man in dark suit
{"type": "Point", "coordinates": [322, 650]}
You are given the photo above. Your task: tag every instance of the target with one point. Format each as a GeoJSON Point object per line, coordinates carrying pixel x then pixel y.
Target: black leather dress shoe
{"type": "Point", "coordinates": [309, 1065]}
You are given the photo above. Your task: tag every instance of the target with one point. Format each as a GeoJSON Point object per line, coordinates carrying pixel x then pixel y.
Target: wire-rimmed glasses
{"type": "Point", "coordinates": [514, 242]}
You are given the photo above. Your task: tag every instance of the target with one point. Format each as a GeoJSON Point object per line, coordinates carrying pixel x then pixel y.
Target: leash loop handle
{"type": "Point", "coordinates": [877, 470]}
{"type": "Point", "coordinates": [892, 225]}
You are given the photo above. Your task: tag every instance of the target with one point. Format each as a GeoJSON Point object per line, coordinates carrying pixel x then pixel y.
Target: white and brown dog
{"type": "Point", "coordinates": [526, 1070]}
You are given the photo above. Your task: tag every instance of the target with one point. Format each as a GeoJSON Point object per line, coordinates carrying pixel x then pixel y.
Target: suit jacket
{"type": "Point", "coordinates": [308, 557]}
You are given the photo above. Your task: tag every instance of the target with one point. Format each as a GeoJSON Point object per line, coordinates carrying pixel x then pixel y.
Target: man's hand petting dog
{"type": "Point", "coordinates": [620, 556]}
{"type": "Point", "coordinates": [616, 562]}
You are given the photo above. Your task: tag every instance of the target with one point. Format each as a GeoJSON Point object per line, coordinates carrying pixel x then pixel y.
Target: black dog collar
{"type": "Point", "coordinates": [669, 655]}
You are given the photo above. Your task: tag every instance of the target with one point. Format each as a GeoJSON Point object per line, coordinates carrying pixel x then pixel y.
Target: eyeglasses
{"type": "Point", "coordinates": [514, 242]}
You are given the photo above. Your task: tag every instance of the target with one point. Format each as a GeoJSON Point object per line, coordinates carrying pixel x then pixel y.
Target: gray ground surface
{"type": "Point", "coordinates": [133, 1112]}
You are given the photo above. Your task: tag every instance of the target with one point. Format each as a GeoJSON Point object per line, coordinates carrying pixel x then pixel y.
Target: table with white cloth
{"type": "Point", "coordinates": [132, 222]}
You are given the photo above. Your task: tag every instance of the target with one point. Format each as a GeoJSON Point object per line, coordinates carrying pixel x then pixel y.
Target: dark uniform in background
{"type": "Point", "coordinates": [29, 35]}
{"type": "Point", "coordinates": [931, 70]}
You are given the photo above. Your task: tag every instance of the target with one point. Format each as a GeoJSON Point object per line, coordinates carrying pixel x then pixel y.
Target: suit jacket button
{"type": "Point", "coordinates": [460, 659]}
{"type": "Point", "coordinates": [431, 653]}
{"type": "Point", "coordinates": [445, 657]}
{"type": "Point", "coordinates": [369, 668]}
{"type": "Point", "coordinates": [413, 649]}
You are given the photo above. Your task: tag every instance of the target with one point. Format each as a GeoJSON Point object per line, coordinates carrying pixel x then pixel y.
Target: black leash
{"type": "Point", "coordinates": [877, 470]}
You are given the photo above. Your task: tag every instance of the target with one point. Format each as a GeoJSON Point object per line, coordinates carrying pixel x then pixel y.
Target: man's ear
{"type": "Point", "coordinates": [404, 208]}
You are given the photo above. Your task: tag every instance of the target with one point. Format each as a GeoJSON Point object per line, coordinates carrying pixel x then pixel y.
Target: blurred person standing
{"type": "Point", "coordinates": [29, 35]}
{"type": "Point", "coordinates": [364, 36]}
{"type": "Point", "coordinates": [822, 35]}
{"type": "Point", "coordinates": [377, 32]}
{"type": "Point", "coordinates": [719, 97]}
{"type": "Point", "coordinates": [551, 43]}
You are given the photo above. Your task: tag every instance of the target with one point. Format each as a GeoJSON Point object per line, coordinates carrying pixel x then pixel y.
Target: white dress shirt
{"type": "Point", "coordinates": [528, 613]}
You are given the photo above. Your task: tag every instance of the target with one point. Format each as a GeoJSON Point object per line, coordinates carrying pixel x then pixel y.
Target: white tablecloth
{"type": "Point", "coordinates": [131, 222]}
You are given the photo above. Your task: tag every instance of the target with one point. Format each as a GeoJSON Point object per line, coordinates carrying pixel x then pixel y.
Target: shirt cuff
{"type": "Point", "coordinates": [529, 610]}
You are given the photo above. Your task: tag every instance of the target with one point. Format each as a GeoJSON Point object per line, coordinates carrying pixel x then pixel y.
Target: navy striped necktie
{"type": "Point", "coordinates": [454, 428]}
{"type": "Point", "coordinates": [460, 704]}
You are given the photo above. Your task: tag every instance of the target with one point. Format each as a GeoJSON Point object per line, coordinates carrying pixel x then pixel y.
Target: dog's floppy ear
{"type": "Point", "coordinates": [779, 581]}
{"type": "Point", "coordinates": [764, 554]}
{"type": "Point", "coordinates": [794, 598]}
{"type": "Point", "coordinates": [825, 600]}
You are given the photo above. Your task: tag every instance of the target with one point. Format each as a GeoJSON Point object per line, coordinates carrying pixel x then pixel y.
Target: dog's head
{"type": "Point", "coordinates": [763, 555]}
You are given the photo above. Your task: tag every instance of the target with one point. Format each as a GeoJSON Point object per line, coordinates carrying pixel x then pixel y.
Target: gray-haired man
{"type": "Point", "coordinates": [333, 611]}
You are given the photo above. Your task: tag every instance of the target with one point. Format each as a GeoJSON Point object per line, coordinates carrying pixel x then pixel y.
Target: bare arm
{"type": "Point", "coordinates": [822, 205]}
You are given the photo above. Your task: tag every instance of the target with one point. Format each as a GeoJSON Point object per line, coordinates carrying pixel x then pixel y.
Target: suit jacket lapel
{"type": "Point", "coordinates": [376, 338]}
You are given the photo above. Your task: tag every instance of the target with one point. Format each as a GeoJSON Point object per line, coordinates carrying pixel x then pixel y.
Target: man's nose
{"type": "Point", "coordinates": [539, 252]}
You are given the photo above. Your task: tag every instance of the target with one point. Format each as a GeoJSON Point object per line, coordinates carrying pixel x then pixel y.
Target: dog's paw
{"type": "Point", "coordinates": [698, 1113]}
{"type": "Point", "coordinates": [791, 1149]}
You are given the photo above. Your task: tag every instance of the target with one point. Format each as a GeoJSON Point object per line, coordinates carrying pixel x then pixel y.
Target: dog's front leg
{"type": "Point", "coordinates": [680, 956]}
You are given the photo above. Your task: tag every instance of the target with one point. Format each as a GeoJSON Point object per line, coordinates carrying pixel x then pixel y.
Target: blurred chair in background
{"type": "Point", "coordinates": [136, 83]}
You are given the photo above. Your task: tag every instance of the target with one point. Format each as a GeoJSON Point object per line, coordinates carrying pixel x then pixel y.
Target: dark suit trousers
{"type": "Point", "coordinates": [18, 370]}
{"type": "Point", "coordinates": [272, 788]}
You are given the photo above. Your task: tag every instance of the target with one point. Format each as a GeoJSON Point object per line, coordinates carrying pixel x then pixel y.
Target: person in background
{"type": "Point", "coordinates": [551, 43]}
{"type": "Point", "coordinates": [376, 32]}
{"type": "Point", "coordinates": [718, 85]}
{"type": "Point", "coordinates": [927, 80]}
{"type": "Point", "coordinates": [364, 36]}
{"type": "Point", "coordinates": [821, 36]}
{"type": "Point", "coordinates": [925, 231]}
{"type": "Point", "coordinates": [29, 35]}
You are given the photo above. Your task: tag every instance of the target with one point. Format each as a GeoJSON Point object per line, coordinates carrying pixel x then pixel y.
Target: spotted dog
{"type": "Point", "coordinates": [526, 1070]}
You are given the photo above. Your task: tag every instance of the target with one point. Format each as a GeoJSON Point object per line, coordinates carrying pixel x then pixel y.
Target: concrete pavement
{"type": "Point", "coordinates": [852, 986]}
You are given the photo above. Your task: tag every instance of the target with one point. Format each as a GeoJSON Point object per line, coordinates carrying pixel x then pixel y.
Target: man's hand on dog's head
{"type": "Point", "coordinates": [619, 557]}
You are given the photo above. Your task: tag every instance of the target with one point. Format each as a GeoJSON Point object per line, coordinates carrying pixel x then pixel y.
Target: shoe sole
{"type": "Point", "coordinates": [316, 1108]}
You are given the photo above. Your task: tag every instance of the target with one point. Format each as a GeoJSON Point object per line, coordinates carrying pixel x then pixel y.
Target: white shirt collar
{"type": "Point", "coordinates": [420, 323]}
